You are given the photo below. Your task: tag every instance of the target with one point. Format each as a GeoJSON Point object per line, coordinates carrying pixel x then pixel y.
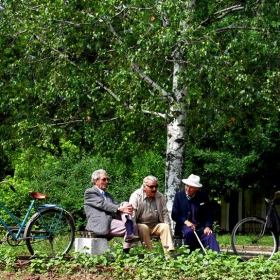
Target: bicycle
{"type": "Point", "coordinates": [49, 232]}
{"type": "Point", "coordinates": [254, 236]}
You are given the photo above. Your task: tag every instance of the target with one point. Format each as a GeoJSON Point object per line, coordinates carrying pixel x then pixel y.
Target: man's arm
{"type": "Point", "coordinates": [93, 199]}
{"type": "Point", "coordinates": [134, 200]}
{"type": "Point", "coordinates": [165, 213]}
{"type": "Point", "coordinates": [177, 214]}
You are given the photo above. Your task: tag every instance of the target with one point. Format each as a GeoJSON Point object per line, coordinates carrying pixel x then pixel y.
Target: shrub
{"type": "Point", "coordinates": [65, 178]}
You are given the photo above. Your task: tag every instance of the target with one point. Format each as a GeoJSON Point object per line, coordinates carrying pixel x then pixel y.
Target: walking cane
{"type": "Point", "coordinates": [201, 245]}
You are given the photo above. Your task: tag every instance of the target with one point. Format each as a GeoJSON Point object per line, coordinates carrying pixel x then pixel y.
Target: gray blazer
{"type": "Point", "coordinates": [99, 211]}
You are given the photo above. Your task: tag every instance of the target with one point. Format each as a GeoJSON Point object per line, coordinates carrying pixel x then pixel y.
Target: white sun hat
{"type": "Point", "coordinates": [193, 180]}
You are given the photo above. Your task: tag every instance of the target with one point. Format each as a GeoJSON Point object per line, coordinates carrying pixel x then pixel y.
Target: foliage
{"type": "Point", "coordinates": [64, 179]}
{"type": "Point", "coordinates": [114, 264]}
{"type": "Point", "coordinates": [242, 161]}
{"type": "Point", "coordinates": [68, 71]}
{"type": "Point", "coordinates": [17, 202]}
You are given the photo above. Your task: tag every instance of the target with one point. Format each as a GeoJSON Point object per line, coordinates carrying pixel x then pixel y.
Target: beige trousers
{"type": "Point", "coordinates": [161, 229]}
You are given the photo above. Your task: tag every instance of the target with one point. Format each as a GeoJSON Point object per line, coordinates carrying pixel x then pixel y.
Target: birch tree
{"type": "Point", "coordinates": [104, 70]}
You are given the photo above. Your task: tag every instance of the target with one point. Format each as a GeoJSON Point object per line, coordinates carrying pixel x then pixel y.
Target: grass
{"type": "Point", "coordinates": [224, 239]}
{"type": "Point", "coordinates": [246, 240]}
{"type": "Point", "coordinates": [22, 250]}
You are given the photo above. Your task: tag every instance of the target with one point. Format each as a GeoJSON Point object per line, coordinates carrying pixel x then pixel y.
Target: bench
{"type": "Point", "coordinates": [90, 234]}
{"type": "Point", "coordinates": [98, 244]}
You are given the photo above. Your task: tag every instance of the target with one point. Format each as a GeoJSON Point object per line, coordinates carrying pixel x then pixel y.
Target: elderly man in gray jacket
{"type": "Point", "coordinates": [105, 216]}
{"type": "Point", "coordinates": [151, 214]}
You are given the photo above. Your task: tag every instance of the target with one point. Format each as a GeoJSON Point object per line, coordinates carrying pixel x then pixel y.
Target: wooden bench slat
{"type": "Point", "coordinates": [90, 234]}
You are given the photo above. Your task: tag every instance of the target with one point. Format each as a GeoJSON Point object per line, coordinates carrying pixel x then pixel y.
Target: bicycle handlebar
{"type": "Point", "coordinates": [10, 185]}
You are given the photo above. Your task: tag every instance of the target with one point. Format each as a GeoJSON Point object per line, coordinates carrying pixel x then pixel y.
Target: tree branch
{"type": "Point", "coordinates": [221, 30]}
{"type": "Point", "coordinates": [69, 22]}
{"type": "Point", "coordinates": [77, 121]}
{"type": "Point", "coordinates": [164, 116]}
{"type": "Point", "coordinates": [177, 60]}
{"type": "Point", "coordinates": [136, 68]}
{"type": "Point", "coordinates": [114, 95]}
{"type": "Point", "coordinates": [238, 109]}
{"type": "Point", "coordinates": [149, 81]}
{"type": "Point", "coordinates": [56, 50]}
{"type": "Point", "coordinates": [224, 12]}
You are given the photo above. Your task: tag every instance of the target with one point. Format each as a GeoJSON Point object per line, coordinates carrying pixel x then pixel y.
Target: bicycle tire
{"type": "Point", "coordinates": [50, 233]}
{"type": "Point", "coordinates": [250, 238]}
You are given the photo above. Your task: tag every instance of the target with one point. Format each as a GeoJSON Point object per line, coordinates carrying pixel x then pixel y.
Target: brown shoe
{"type": "Point", "coordinates": [132, 238]}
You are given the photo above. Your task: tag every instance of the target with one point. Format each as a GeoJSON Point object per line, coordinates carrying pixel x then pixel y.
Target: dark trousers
{"type": "Point", "coordinates": [208, 241]}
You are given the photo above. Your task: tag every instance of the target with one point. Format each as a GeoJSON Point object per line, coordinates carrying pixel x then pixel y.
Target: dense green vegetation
{"type": "Point", "coordinates": [141, 264]}
{"type": "Point", "coordinates": [88, 84]}
{"type": "Point", "coordinates": [65, 180]}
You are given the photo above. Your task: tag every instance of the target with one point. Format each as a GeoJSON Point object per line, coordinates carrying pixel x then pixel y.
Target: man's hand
{"type": "Point", "coordinates": [207, 231]}
{"type": "Point", "coordinates": [189, 224]}
{"type": "Point", "coordinates": [127, 208]}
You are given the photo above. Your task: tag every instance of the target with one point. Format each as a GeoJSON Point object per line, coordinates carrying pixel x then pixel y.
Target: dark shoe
{"type": "Point", "coordinates": [132, 238]}
{"type": "Point", "coordinates": [126, 250]}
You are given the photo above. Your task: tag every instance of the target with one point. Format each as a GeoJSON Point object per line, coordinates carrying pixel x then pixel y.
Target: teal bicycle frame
{"type": "Point", "coordinates": [22, 224]}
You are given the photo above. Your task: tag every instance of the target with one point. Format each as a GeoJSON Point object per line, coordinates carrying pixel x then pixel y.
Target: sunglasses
{"type": "Point", "coordinates": [151, 187]}
{"type": "Point", "coordinates": [105, 179]}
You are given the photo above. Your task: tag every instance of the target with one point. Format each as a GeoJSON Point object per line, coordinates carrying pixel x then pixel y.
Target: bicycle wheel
{"type": "Point", "coordinates": [250, 238]}
{"type": "Point", "coordinates": [51, 232]}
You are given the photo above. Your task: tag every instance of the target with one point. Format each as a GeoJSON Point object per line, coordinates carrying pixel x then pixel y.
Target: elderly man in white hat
{"type": "Point", "coordinates": [192, 212]}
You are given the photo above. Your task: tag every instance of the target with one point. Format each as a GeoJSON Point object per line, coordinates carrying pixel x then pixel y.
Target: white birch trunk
{"type": "Point", "coordinates": [176, 130]}
{"type": "Point", "coordinates": [176, 137]}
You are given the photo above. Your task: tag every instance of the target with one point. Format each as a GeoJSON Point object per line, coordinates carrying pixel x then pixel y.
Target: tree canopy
{"type": "Point", "coordinates": [197, 80]}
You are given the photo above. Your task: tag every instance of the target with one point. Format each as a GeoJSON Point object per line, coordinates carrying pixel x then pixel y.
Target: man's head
{"type": "Point", "coordinates": [100, 179]}
{"type": "Point", "coordinates": [150, 185]}
{"type": "Point", "coordinates": [192, 184]}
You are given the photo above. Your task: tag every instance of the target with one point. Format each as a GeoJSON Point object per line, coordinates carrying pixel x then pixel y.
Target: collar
{"type": "Point", "coordinates": [99, 189]}
{"type": "Point", "coordinates": [190, 197]}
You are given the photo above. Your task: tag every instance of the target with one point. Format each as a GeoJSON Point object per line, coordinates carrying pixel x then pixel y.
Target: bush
{"type": "Point", "coordinates": [65, 178]}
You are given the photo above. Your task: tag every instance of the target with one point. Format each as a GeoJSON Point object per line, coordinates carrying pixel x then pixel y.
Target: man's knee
{"type": "Point", "coordinates": [188, 232]}
{"type": "Point", "coordinates": [165, 227]}
{"type": "Point", "coordinates": [211, 237]}
{"type": "Point", "coordinates": [124, 203]}
{"type": "Point", "coordinates": [189, 235]}
{"type": "Point", "coordinates": [143, 228]}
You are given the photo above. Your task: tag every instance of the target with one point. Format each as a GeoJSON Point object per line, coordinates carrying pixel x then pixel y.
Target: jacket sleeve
{"type": "Point", "coordinates": [180, 213]}
{"type": "Point", "coordinates": [165, 213]}
{"type": "Point", "coordinates": [93, 199]}
{"type": "Point", "coordinates": [134, 200]}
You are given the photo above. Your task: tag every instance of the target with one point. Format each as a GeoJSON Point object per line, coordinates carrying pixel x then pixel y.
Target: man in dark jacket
{"type": "Point", "coordinates": [192, 212]}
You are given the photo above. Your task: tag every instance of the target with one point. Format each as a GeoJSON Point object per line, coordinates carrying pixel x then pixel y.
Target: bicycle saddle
{"type": "Point", "coordinates": [36, 195]}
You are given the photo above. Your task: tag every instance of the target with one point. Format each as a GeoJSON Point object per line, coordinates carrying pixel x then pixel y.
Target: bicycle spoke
{"type": "Point", "coordinates": [50, 233]}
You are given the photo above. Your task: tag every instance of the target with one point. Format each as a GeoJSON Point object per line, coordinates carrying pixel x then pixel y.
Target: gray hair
{"type": "Point", "coordinates": [96, 174]}
{"type": "Point", "coordinates": [149, 178]}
